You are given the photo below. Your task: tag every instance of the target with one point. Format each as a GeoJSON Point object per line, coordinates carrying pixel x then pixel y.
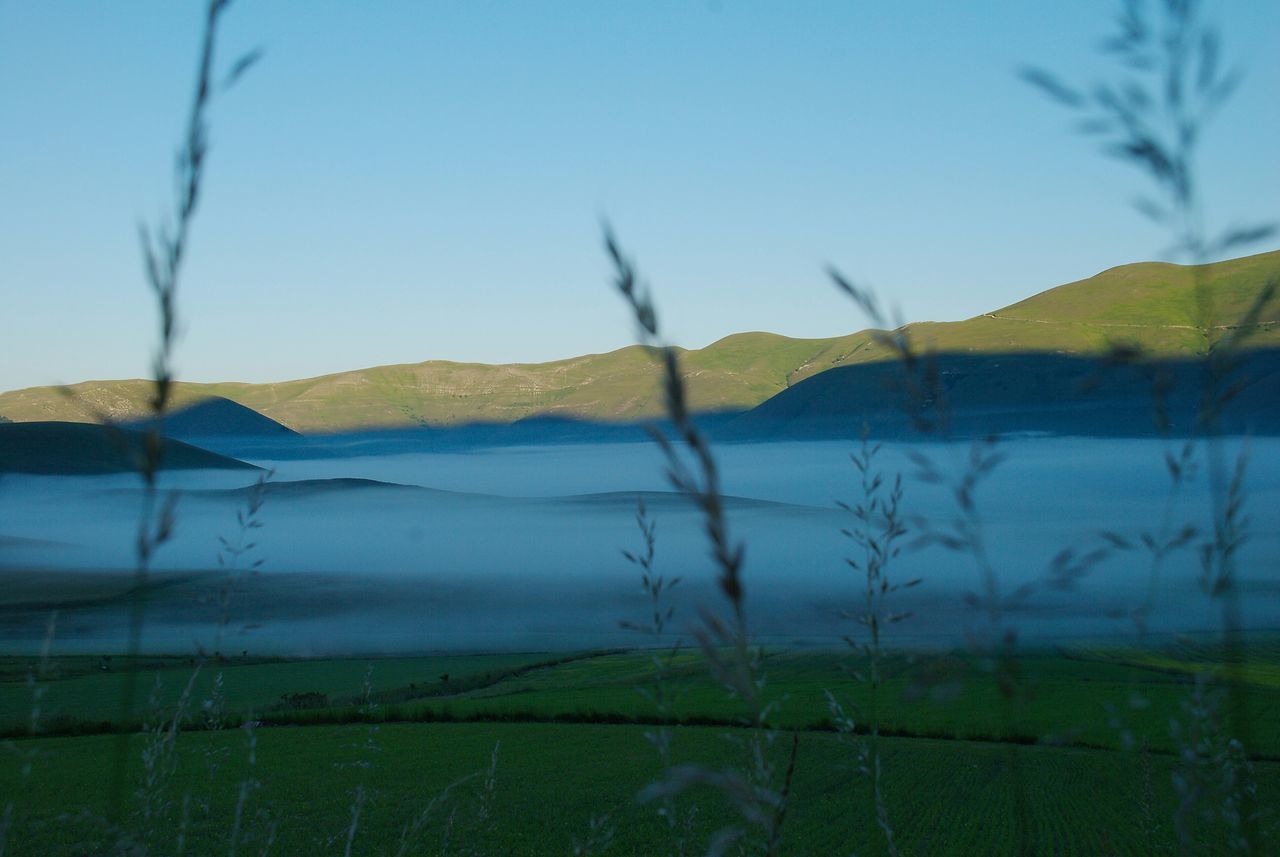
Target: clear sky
{"type": "Point", "coordinates": [397, 182]}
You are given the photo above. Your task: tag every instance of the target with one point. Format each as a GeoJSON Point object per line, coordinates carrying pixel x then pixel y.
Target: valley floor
{"type": "Point", "coordinates": [542, 754]}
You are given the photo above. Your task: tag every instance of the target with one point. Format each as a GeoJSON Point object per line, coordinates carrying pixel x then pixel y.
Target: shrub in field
{"type": "Point", "coordinates": [304, 700]}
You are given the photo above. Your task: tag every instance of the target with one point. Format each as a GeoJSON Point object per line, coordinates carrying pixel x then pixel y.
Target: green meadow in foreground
{"type": "Point", "coordinates": [1149, 304]}
{"type": "Point", "coordinates": [382, 738]}
{"type": "Point", "coordinates": [551, 781]}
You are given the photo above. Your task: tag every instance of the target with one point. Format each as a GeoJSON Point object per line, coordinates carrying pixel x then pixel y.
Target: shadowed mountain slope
{"type": "Point", "coordinates": [1012, 393]}
{"type": "Point", "coordinates": [1148, 304]}
{"type": "Point", "coordinates": [59, 448]}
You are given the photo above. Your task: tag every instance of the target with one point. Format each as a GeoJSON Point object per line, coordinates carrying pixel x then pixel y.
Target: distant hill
{"type": "Point", "coordinates": [60, 448]}
{"type": "Point", "coordinates": [1013, 393]}
{"type": "Point", "coordinates": [736, 373]}
{"type": "Point", "coordinates": [218, 417]}
{"type": "Point", "coordinates": [1149, 304]}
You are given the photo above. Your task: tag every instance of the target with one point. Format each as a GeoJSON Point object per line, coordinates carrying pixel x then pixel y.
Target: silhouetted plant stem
{"type": "Point", "coordinates": [1170, 84]}
{"type": "Point", "coordinates": [164, 251]}
{"type": "Point", "coordinates": [876, 530]}
{"type": "Point", "coordinates": [233, 552]}
{"type": "Point", "coordinates": [926, 405]}
{"type": "Point", "coordinates": [662, 658]}
{"type": "Point", "coordinates": [753, 795]}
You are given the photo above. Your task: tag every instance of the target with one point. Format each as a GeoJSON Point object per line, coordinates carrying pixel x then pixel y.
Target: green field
{"type": "Point", "coordinates": [551, 780]}
{"type": "Point", "coordinates": [1147, 304]}
{"type": "Point", "coordinates": [391, 734]}
{"type": "Point", "coordinates": [78, 691]}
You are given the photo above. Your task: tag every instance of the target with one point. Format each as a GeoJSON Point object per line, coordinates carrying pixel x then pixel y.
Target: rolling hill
{"type": "Point", "coordinates": [1149, 304]}
{"type": "Point", "coordinates": [63, 449]}
{"type": "Point", "coordinates": [218, 417]}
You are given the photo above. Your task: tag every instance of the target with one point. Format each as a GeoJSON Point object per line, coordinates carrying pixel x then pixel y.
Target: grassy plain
{"type": "Point", "coordinates": [552, 780]}
{"type": "Point", "coordinates": [392, 734]}
{"type": "Point", "coordinates": [78, 693]}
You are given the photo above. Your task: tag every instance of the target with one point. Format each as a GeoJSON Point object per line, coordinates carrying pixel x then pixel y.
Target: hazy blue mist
{"type": "Point", "coordinates": [521, 547]}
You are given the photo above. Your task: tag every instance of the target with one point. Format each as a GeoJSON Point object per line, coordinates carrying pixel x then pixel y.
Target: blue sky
{"type": "Point", "coordinates": [398, 182]}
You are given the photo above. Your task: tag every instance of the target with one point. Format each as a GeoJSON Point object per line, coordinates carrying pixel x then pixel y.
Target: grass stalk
{"type": "Point", "coordinates": [660, 694]}
{"type": "Point", "coordinates": [692, 470]}
{"type": "Point", "coordinates": [877, 529]}
{"type": "Point", "coordinates": [164, 250]}
{"type": "Point", "coordinates": [1172, 82]}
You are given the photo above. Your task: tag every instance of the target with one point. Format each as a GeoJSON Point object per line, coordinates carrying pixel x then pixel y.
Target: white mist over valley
{"type": "Point", "coordinates": [521, 547]}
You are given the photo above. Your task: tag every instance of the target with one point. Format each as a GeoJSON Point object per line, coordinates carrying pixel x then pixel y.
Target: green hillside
{"type": "Point", "coordinates": [1151, 304]}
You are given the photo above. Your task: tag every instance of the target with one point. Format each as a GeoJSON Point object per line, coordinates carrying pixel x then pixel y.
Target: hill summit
{"type": "Point", "coordinates": [217, 416]}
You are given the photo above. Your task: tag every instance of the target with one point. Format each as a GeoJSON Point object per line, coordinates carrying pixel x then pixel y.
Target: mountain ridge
{"type": "Point", "coordinates": [1148, 304]}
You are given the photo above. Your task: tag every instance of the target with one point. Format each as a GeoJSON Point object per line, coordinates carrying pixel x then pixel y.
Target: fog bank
{"type": "Point", "coordinates": [511, 548]}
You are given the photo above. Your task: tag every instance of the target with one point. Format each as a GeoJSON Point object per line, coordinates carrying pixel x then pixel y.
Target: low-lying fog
{"type": "Point", "coordinates": [522, 547]}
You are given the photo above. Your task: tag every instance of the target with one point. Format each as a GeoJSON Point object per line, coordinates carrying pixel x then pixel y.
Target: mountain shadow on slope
{"type": "Point", "coordinates": [1015, 393]}
{"type": "Point", "coordinates": [532, 431]}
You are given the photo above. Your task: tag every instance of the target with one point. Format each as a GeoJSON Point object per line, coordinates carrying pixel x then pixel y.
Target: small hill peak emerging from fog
{"type": "Point", "coordinates": [219, 417]}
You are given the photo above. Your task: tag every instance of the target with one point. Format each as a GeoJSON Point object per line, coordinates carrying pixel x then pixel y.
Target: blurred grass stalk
{"type": "Point", "coordinates": [660, 694]}
{"type": "Point", "coordinates": [164, 250]}
{"type": "Point", "coordinates": [877, 530]}
{"type": "Point", "coordinates": [1170, 83]}
{"type": "Point", "coordinates": [727, 645]}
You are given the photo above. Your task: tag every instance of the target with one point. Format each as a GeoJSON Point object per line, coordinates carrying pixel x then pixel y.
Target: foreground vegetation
{"type": "Point", "coordinates": [553, 780]}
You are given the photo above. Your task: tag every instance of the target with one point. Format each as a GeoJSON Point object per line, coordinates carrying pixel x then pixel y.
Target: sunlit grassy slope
{"type": "Point", "coordinates": [1151, 304]}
